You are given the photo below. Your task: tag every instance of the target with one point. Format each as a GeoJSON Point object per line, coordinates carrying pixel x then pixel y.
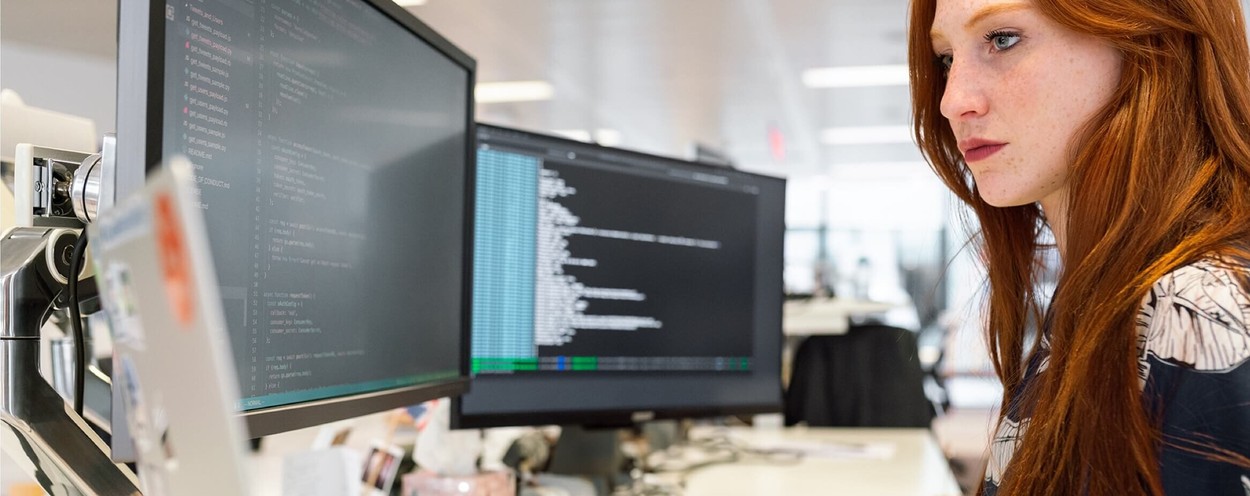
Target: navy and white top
{"type": "Point", "coordinates": [1193, 344]}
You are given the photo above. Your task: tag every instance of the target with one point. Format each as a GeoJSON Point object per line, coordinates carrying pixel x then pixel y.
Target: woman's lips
{"type": "Point", "coordinates": [982, 152]}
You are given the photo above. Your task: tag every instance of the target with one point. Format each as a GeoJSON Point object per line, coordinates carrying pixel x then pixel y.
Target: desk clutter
{"type": "Point", "coordinates": [664, 459]}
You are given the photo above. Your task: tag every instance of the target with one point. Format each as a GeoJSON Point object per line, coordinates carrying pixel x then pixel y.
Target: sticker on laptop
{"type": "Point", "coordinates": [121, 305]}
{"type": "Point", "coordinates": [171, 248]}
{"type": "Point", "coordinates": [149, 427]}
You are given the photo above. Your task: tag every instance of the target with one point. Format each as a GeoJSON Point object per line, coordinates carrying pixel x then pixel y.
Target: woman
{"type": "Point", "coordinates": [1123, 127]}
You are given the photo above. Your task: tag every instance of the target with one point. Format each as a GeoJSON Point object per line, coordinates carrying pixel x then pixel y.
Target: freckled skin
{"type": "Point", "coordinates": [1034, 95]}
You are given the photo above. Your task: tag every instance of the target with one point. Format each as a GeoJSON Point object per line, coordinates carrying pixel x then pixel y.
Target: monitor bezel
{"type": "Point", "coordinates": [140, 97]}
{"type": "Point", "coordinates": [608, 418]}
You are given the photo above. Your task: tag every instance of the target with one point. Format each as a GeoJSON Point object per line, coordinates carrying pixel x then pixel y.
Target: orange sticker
{"type": "Point", "coordinates": [175, 264]}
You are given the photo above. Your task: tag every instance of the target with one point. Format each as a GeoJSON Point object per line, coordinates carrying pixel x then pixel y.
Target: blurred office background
{"type": "Point", "coordinates": [812, 90]}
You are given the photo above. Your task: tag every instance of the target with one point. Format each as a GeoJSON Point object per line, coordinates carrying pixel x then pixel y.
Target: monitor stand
{"type": "Point", "coordinates": [51, 442]}
{"type": "Point", "coordinates": [594, 453]}
{"type": "Point", "coordinates": [613, 456]}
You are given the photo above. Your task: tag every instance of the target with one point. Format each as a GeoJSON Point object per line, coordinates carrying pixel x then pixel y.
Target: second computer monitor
{"type": "Point", "coordinates": [612, 286]}
{"type": "Point", "coordinates": [332, 152]}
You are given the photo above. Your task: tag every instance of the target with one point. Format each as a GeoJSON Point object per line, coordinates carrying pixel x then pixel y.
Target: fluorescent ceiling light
{"type": "Point", "coordinates": [574, 134]}
{"type": "Point", "coordinates": [855, 76]}
{"type": "Point", "coordinates": [608, 137]}
{"type": "Point", "coordinates": [513, 91]}
{"type": "Point", "coordinates": [866, 135]}
{"type": "Point", "coordinates": [409, 3]}
{"type": "Point", "coordinates": [602, 136]}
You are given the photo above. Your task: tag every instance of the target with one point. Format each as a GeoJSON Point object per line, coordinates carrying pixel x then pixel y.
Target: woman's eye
{"type": "Point", "coordinates": [945, 60]}
{"type": "Point", "coordinates": [1002, 41]}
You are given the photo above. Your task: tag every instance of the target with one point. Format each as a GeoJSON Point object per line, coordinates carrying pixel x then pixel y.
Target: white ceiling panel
{"type": "Point", "coordinates": [667, 73]}
{"type": "Point", "coordinates": [662, 73]}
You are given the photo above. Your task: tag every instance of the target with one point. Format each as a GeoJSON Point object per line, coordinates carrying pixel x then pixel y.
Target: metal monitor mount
{"type": "Point", "coordinates": [54, 445]}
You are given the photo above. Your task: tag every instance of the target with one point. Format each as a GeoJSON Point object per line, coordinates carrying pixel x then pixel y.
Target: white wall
{"type": "Point", "coordinates": [73, 83]}
{"type": "Point", "coordinates": [62, 55]}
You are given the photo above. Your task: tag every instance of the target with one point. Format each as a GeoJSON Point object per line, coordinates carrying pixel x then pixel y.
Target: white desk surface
{"type": "Point", "coordinates": [826, 316]}
{"type": "Point", "coordinates": [916, 467]}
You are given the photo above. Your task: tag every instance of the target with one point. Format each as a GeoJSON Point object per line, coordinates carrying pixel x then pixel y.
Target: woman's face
{"type": "Point", "coordinates": [1019, 87]}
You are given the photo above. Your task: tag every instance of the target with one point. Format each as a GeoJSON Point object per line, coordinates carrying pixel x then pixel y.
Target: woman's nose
{"type": "Point", "coordinates": [963, 97]}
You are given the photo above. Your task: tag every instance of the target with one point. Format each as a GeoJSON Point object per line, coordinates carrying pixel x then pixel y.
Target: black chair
{"type": "Point", "coordinates": [868, 377]}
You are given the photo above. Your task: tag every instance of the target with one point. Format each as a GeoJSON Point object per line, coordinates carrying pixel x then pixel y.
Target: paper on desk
{"type": "Point", "coordinates": [831, 450]}
{"type": "Point", "coordinates": [322, 472]}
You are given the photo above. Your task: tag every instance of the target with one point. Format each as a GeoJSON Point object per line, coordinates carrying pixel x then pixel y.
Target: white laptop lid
{"type": "Point", "coordinates": [174, 367]}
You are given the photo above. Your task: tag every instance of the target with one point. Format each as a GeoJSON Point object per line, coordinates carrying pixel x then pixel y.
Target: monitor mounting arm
{"type": "Point", "coordinates": [51, 442]}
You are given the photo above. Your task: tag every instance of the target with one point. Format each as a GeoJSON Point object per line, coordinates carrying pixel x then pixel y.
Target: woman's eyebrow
{"type": "Point", "coordinates": [981, 14]}
{"type": "Point", "coordinates": [992, 10]}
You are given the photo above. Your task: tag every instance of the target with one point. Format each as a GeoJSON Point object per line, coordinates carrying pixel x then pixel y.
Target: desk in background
{"type": "Point", "coordinates": [826, 315]}
{"type": "Point", "coordinates": [914, 466]}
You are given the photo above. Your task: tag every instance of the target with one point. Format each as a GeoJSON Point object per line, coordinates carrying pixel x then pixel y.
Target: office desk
{"type": "Point", "coordinates": [916, 466]}
{"type": "Point", "coordinates": [826, 316]}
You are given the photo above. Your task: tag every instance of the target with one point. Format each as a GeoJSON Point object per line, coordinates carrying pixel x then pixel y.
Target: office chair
{"type": "Point", "coordinates": [868, 377]}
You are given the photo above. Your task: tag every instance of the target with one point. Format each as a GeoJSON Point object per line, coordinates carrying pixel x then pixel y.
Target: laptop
{"type": "Point", "coordinates": [173, 365]}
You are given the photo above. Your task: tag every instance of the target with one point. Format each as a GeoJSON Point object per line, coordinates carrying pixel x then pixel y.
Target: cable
{"type": "Point", "coordinates": [75, 321]}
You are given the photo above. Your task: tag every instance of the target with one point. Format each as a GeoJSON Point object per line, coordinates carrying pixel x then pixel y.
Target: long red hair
{"type": "Point", "coordinates": [1159, 178]}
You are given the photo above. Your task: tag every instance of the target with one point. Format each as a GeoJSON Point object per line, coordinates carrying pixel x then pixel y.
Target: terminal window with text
{"type": "Point", "coordinates": [608, 269]}
{"type": "Point", "coordinates": [331, 148]}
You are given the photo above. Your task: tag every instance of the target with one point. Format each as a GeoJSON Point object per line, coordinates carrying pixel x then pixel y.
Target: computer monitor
{"type": "Point", "coordinates": [332, 146]}
{"type": "Point", "coordinates": [612, 286]}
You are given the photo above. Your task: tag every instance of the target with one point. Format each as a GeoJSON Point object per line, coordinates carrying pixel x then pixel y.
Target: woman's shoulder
{"type": "Point", "coordinates": [1196, 316]}
{"type": "Point", "coordinates": [1194, 347]}
{"type": "Point", "coordinates": [1211, 279]}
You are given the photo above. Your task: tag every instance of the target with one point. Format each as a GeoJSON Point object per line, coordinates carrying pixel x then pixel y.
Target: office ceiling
{"type": "Point", "coordinates": [669, 73]}
{"type": "Point", "coordinates": [661, 74]}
